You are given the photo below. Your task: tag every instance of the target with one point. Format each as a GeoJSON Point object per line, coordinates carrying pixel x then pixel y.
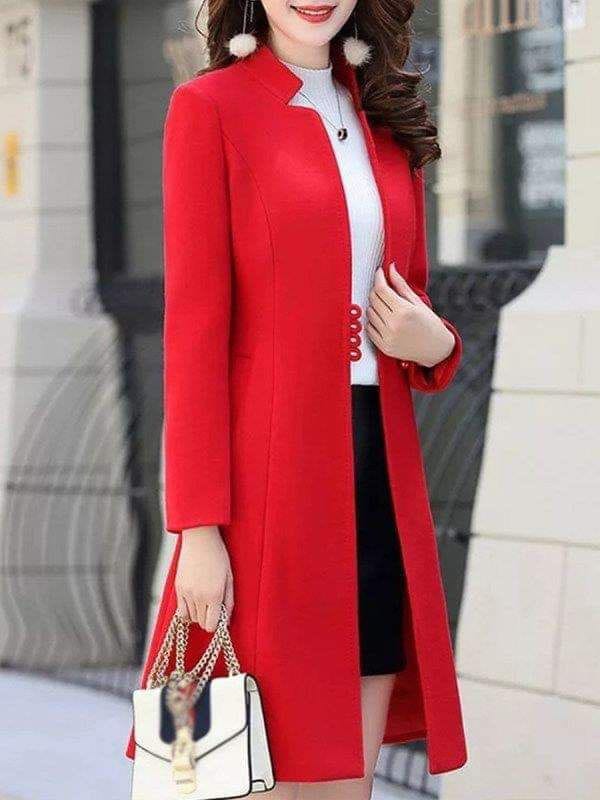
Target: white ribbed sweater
{"type": "Point", "coordinates": [362, 196]}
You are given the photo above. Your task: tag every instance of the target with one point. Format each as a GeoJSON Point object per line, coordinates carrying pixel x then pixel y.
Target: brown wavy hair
{"type": "Point", "coordinates": [389, 92]}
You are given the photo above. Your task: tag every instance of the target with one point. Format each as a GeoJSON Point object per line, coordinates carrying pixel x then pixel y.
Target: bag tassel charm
{"type": "Point", "coordinates": [182, 763]}
{"type": "Point", "coordinates": [183, 767]}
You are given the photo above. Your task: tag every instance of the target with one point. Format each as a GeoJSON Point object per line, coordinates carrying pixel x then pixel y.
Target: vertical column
{"type": "Point", "coordinates": [467, 199]}
{"type": "Point", "coordinates": [66, 539]}
{"type": "Point", "coordinates": [453, 171]}
{"type": "Point", "coordinates": [527, 644]}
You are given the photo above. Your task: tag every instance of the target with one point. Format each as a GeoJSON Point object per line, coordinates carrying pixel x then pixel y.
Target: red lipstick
{"type": "Point", "coordinates": [314, 14]}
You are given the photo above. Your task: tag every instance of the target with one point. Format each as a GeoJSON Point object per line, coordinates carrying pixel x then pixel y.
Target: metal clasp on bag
{"type": "Point", "coordinates": [182, 761]}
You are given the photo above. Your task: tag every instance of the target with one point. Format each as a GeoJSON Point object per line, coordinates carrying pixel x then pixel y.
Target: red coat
{"type": "Point", "coordinates": [258, 435]}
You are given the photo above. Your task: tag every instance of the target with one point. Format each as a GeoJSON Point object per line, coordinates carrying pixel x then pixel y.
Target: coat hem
{"type": "Point", "coordinates": [411, 736]}
{"type": "Point", "coordinates": [440, 766]}
{"type": "Point", "coordinates": [352, 774]}
{"type": "Point", "coordinates": [451, 767]}
{"type": "Point", "coordinates": [349, 776]}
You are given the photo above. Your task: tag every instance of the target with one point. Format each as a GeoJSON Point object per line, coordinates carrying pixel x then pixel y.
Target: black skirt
{"type": "Point", "coordinates": [381, 581]}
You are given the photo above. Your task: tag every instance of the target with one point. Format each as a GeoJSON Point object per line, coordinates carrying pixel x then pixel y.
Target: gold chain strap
{"type": "Point", "coordinates": [178, 634]}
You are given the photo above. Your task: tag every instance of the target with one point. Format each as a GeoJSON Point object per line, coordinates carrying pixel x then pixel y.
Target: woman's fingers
{"type": "Point", "coordinates": [382, 294]}
{"type": "Point", "coordinates": [376, 337]}
{"type": "Point", "coordinates": [393, 294]}
{"type": "Point", "coordinates": [402, 287]}
{"type": "Point", "coordinates": [183, 607]}
{"type": "Point", "coordinates": [203, 607]}
{"type": "Point", "coordinates": [199, 611]}
{"type": "Point", "coordinates": [205, 611]}
{"type": "Point", "coordinates": [375, 320]}
{"type": "Point", "coordinates": [378, 304]}
{"type": "Point", "coordinates": [212, 614]}
{"type": "Point", "coordinates": [386, 300]}
{"type": "Point", "coordinates": [228, 599]}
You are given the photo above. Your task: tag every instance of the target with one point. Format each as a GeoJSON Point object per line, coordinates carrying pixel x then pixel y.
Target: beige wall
{"type": "Point", "coordinates": [528, 640]}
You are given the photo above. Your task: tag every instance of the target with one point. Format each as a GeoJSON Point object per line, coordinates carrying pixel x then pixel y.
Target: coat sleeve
{"type": "Point", "coordinates": [438, 377]}
{"type": "Point", "coordinates": [197, 289]}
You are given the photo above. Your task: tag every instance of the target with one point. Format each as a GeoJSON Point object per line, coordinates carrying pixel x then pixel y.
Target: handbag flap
{"type": "Point", "coordinates": [228, 717]}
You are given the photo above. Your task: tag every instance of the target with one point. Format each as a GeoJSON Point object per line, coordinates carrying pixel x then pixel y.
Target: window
{"type": "Point", "coordinates": [497, 82]}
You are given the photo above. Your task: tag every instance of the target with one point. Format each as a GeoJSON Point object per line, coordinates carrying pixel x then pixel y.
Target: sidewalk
{"type": "Point", "coordinates": [63, 742]}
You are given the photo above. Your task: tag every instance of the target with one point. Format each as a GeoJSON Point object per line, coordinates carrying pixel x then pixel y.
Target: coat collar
{"type": "Point", "coordinates": [279, 79]}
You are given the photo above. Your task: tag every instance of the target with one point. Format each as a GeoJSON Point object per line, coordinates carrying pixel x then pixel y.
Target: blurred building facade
{"type": "Point", "coordinates": [66, 551]}
{"type": "Point", "coordinates": [526, 643]}
{"type": "Point", "coordinates": [83, 92]}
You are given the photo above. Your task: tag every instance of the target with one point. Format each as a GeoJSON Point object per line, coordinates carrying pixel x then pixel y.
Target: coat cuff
{"type": "Point", "coordinates": [441, 375]}
{"type": "Point", "coordinates": [175, 525]}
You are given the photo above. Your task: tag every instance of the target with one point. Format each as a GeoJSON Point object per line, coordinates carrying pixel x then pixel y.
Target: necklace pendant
{"type": "Point", "coordinates": [342, 134]}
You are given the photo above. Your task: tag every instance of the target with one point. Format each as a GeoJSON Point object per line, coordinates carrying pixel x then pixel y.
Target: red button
{"type": "Point", "coordinates": [355, 339]}
{"type": "Point", "coordinates": [355, 354]}
{"type": "Point", "coordinates": [356, 326]}
{"type": "Point", "coordinates": [355, 310]}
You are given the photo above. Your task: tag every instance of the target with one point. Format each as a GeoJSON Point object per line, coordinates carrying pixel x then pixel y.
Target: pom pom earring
{"type": "Point", "coordinates": [243, 44]}
{"type": "Point", "coordinates": [356, 51]}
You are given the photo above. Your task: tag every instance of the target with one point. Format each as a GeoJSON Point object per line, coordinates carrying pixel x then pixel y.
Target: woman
{"type": "Point", "coordinates": [296, 323]}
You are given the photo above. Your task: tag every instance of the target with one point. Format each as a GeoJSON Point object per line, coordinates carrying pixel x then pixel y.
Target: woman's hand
{"type": "Point", "coordinates": [401, 325]}
{"type": "Point", "coordinates": [204, 579]}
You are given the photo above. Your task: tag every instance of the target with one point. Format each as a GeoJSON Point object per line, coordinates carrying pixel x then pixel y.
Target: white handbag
{"type": "Point", "coordinates": [199, 737]}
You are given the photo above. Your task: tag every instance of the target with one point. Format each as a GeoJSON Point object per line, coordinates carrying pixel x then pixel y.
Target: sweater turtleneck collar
{"type": "Point", "coordinates": [316, 81]}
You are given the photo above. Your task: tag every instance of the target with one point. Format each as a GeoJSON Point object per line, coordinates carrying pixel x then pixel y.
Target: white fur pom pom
{"type": "Point", "coordinates": [357, 51]}
{"type": "Point", "coordinates": [242, 44]}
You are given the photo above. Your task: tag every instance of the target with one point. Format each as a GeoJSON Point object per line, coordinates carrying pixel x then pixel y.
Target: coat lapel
{"type": "Point", "coordinates": [266, 67]}
{"type": "Point", "coordinates": [282, 82]}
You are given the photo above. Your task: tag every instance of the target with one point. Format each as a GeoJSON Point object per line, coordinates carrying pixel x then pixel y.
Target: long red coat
{"type": "Point", "coordinates": [258, 434]}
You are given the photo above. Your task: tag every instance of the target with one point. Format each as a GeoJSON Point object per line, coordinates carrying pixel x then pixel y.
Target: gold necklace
{"type": "Point", "coordinates": [341, 130]}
